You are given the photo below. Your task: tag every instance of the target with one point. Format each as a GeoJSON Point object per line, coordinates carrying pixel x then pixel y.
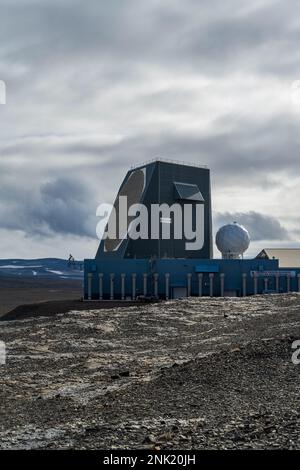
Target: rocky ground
{"type": "Point", "coordinates": [16, 291]}
{"type": "Point", "coordinates": [193, 373]}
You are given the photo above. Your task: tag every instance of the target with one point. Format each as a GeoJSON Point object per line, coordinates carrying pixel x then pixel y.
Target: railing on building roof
{"type": "Point", "coordinates": [167, 160]}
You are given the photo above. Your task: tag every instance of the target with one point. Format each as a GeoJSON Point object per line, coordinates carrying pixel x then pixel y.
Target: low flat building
{"type": "Point", "coordinates": [127, 279]}
{"type": "Point", "coordinates": [287, 257]}
{"type": "Point", "coordinates": [170, 255]}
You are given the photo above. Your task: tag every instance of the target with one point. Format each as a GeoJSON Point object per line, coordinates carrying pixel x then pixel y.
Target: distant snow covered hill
{"type": "Point", "coordinates": [45, 267]}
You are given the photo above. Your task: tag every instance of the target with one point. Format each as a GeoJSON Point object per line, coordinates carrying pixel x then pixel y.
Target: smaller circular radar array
{"type": "Point", "coordinates": [232, 241]}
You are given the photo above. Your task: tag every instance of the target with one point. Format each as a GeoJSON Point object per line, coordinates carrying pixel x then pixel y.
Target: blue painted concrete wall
{"type": "Point", "coordinates": [178, 270]}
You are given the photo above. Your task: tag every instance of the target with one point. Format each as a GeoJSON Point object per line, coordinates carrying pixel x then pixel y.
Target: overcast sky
{"type": "Point", "coordinates": [95, 86]}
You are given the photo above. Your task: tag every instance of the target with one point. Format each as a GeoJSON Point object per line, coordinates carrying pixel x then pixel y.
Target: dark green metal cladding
{"type": "Point", "coordinates": [163, 182]}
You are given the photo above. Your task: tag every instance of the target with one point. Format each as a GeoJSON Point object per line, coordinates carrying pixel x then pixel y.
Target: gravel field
{"type": "Point", "coordinates": [187, 374]}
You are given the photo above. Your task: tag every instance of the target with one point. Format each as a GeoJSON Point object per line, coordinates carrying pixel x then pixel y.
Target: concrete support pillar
{"type": "Point", "coordinates": [112, 282]}
{"type": "Point", "coordinates": [277, 283]}
{"type": "Point", "coordinates": [288, 283]}
{"type": "Point", "coordinates": [200, 284]}
{"type": "Point", "coordinates": [298, 282]}
{"type": "Point", "coordinates": [255, 280]}
{"type": "Point", "coordinates": [211, 284]}
{"type": "Point", "coordinates": [145, 282]}
{"type": "Point", "coordinates": [244, 284]}
{"type": "Point", "coordinates": [100, 276]}
{"type": "Point", "coordinates": [123, 277]}
{"type": "Point", "coordinates": [189, 284]}
{"type": "Point", "coordinates": [167, 277]}
{"type": "Point", "coordinates": [90, 280]}
{"type": "Point", "coordinates": [155, 276]}
{"type": "Point", "coordinates": [266, 281]}
{"type": "Point", "coordinates": [133, 286]}
{"type": "Point", "coordinates": [222, 282]}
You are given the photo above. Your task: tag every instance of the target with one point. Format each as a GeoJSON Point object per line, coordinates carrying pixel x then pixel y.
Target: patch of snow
{"type": "Point", "coordinates": [14, 266]}
{"type": "Point", "coordinates": [59, 273]}
{"type": "Point", "coordinates": [9, 266]}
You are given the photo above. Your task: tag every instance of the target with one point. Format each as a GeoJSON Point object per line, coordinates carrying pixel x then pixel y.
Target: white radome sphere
{"type": "Point", "coordinates": [232, 240]}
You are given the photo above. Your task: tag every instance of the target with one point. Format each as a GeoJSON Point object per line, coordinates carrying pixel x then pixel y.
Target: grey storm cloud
{"type": "Point", "coordinates": [260, 226]}
{"type": "Point", "coordinates": [248, 148]}
{"type": "Point", "coordinates": [206, 36]}
{"type": "Point", "coordinates": [97, 86]}
{"type": "Point", "coordinates": [60, 206]}
{"type": "Point", "coordinates": [65, 207]}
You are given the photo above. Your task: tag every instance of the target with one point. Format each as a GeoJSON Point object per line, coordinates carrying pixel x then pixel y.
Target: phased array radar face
{"type": "Point", "coordinates": [132, 189]}
{"type": "Point", "coordinates": [162, 210]}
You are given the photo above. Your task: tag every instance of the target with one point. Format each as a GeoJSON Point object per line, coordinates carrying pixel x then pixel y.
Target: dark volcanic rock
{"type": "Point", "coordinates": [169, 375]}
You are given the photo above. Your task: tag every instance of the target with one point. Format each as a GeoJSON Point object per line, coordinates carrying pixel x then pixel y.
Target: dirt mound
{"type": "Point", "coordinates": [54, 307]}
{"type": "Point", "coordinates": [16, 291]}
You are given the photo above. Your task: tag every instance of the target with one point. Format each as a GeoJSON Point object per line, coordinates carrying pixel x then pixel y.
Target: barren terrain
{"type": "Point", "coordinates": [193, 373]}
{"type": "Point", "coordinates": [16, 291]}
